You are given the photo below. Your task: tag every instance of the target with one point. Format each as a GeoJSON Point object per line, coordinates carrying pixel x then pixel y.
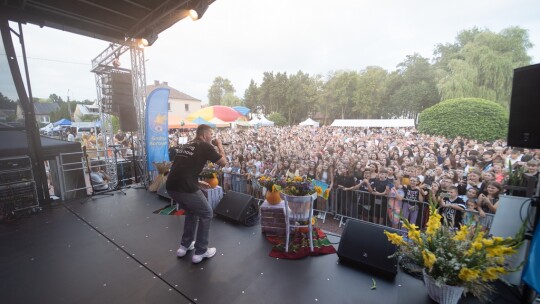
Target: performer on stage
{"type": "Point", "coordinates": [183, 186]}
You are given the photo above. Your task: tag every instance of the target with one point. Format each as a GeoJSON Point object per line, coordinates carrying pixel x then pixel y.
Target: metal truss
{"type": "Point", "coordinates": [102, 65]}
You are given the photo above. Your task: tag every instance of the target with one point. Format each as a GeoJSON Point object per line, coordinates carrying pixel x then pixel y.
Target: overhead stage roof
{"type": "Point", "coordinates": [114, 21]}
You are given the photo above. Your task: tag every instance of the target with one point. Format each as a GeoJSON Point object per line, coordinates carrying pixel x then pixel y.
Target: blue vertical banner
{"type": "Point", "coordinates": [157, 128]}
{"type": "Point", "coordinates": [531, 275]}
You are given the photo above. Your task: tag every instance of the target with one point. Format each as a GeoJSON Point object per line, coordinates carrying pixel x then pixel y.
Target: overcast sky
{"type": "Point", "coordinates": [241, 39]}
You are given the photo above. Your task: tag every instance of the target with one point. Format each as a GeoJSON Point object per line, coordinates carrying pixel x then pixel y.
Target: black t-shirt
{"type": "Point", "coordinates": [453, 216]}
{"type": "Point", "coordinates": [188, 164]}
{"type": "Point", "coordinates": [344, 180]}
{"type": "Point", "coordinates": [412, 194]}
{"type": "Point", "coordinates": [379, 185]}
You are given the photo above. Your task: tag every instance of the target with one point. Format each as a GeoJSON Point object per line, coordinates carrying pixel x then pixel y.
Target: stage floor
{"type": "Point", "coordinates": [113, 249]}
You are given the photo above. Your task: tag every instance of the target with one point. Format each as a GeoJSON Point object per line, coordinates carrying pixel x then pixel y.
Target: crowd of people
{"type": "Point", "coordinates": [397, 166]}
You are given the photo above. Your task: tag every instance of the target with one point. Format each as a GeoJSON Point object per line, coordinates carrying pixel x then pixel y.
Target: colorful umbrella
{"type": "Point", "coordinates": [242, 110]}
{"type": "Point", "coordinates": [202, 121]}
{"type": "Point", "coordinates": [227, 114]}
{"type": "Point", "coordinates": [219, 123]}
{"type": "Point", "coordinates": [177, 122]}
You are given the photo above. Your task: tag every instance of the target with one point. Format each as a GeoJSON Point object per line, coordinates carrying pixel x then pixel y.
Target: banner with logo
{"type": "Point", "coordinates": [157, 128]}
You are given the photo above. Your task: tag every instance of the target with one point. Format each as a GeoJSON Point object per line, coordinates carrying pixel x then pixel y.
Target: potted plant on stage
{"type": "Point", "coordinates": [210, 175]}
{"type": "Point", "coordinates": [455, 260]}
{"type": "Point", "coordinates": [272, 195]}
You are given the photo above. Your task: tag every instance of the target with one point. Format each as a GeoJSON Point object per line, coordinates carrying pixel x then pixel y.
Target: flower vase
{"type": "Point", "coordinates": [273, 197]}
{"type": "Point", "coordinates": [300, 206]}
{"type": "Point", "coordinates": [444, 294]}
{"type": "Point", "coordinates": [213, 182]}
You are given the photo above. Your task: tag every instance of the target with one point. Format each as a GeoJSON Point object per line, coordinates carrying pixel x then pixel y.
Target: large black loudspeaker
{"type": "Point", "coordinates": [128, 118]}
{"type": "Point", "coordinates": [523, 129]}
{"type": "Point", "coordinates": [238, 207]}
{"type": "Point", "coordinates": [365, 245]}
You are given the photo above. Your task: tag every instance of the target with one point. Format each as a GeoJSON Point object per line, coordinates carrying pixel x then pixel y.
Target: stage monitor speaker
{"type": "Point", "coordinates": [365, 245]}
{"type": "Point", "coordinates": [238, 207]}
{"type": "Point", "coordinates": [128, 118]}
{"type": "Point", "coordinates": [124, 171]}
{"type": "Point", "coordinates": [523, 130]}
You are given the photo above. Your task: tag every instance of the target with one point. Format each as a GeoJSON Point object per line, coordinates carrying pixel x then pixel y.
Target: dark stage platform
{"type": "Point", "coordinates": [113, 249]}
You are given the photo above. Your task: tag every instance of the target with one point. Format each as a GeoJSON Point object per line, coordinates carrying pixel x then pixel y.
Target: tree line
{"type": "Point", "coordinates": [478, 64]}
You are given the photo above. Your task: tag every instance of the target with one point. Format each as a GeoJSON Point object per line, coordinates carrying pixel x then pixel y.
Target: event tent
{"type": "Point", "coordinates": [373, 123]}
{"type": "Point", "coordinates": [63, 122]}
{"type": "Point", "coordinates": [309, 122]}
{"type": "Point", "coordinates": [263, 122]}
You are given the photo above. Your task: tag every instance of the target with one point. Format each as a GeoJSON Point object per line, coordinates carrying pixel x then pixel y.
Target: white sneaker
{"type": "Point", "coordinates": [210, 252]}
{"type": "Point", "coordinates": [182, 251]}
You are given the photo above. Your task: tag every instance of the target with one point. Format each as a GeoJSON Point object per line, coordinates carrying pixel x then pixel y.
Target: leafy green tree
{"type": "Point", "coordinates": [480, 63]}
{"type": "Point", "coordinates": [370, 93]}
{"type": "Point", "coordinates": [55, 98]}
{"type": "Point", "coordinates": [62, 111]}
{"type": "Point", "coordinates": [251, 96]}
{"type": "Point", "coordinates": [220, 88]}
{"type": "Point", "coordinates": [472, 118]}
{"type": "Point", "coordinates": [230, 100]}
{"type": "Point", "coordinates": [6, 103]}
{"type": "Point", "coordinates": [300, 97]}
{"type": "Point", "coordinates": [277, 118]}
{"type": "Point", "coordinates": [412, 88]}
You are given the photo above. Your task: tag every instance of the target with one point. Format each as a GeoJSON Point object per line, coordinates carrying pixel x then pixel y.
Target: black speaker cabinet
{"type": "Point", "coordinates": [238, 207]}
{"type": "Point", "coordinates": [523, 129]}
{"type": "Point", "coordinates": [128, 118]}
{"type": "Point", "coordinates": [124, 171]}
{"type": "Point", "coordinates": [365, 245]}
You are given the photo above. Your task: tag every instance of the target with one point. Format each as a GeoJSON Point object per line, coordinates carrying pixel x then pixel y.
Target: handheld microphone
{"type": "Point", "coordinates": [223, 143]}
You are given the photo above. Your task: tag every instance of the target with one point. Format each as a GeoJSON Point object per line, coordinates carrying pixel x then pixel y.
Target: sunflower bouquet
{"type": "Point", "coordinates": [297, 186]}
{"type": "Point", "coordinates": [210, 171]}
{"type": "Point", "coordinates": [268, 182]}
{"type": "Point", "coordinates": [463, 257]}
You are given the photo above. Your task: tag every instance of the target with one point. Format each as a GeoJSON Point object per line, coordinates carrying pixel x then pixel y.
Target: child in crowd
{"type": "Point", "coordinates": [452, 207]}
{"type": "Point", "coordinates": [413, 198]}
{"type": "Point", "coordinates": [395, 203]}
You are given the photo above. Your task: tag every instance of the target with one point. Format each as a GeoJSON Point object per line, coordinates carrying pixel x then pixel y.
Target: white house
{"type": "Point", "coordinates": [81, 110]}
{"type": "Point", "coordinates": [180, 104]}
{"type": "Point", "coordinates": [42, 110]}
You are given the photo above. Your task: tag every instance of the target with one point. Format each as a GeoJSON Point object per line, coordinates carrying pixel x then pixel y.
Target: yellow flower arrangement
{"type": "Point", "coordinates": [463, 257]}
{"type": "Point", "coordinates": [209, 171]}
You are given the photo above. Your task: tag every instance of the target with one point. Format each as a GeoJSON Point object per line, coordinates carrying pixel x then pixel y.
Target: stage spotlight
{"type": "Point", "coordinates": [198, 11]}
{"type": "Point", "coordinates": [142, 43]}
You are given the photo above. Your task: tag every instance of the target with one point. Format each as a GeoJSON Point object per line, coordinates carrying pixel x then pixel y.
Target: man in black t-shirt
{"type": "Point", "coordinates": [183, 186]}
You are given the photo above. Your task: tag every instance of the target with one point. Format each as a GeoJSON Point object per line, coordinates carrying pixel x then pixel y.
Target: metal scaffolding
{"type": "Point", "coordinates": [106, 63]}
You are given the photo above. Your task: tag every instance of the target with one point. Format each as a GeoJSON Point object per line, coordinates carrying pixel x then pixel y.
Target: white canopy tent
{"type": "Point", "coordinates": [374, 123]}
{"type": "Point", "coordinates": [309, 122]}
{"type": "Point", "coordinates": [263, 122]}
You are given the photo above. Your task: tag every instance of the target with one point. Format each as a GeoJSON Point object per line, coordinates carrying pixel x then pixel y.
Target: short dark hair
{"type": "Point", "coordinates": [201, 129]}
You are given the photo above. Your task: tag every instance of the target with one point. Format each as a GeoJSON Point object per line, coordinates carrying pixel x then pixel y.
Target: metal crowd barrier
{"type": "Point", "coordinates": [362, 205]}
{"type": "Point", "coordinates": [73, 176]}
{"type": "Point", "coordinates": [385, 211]}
